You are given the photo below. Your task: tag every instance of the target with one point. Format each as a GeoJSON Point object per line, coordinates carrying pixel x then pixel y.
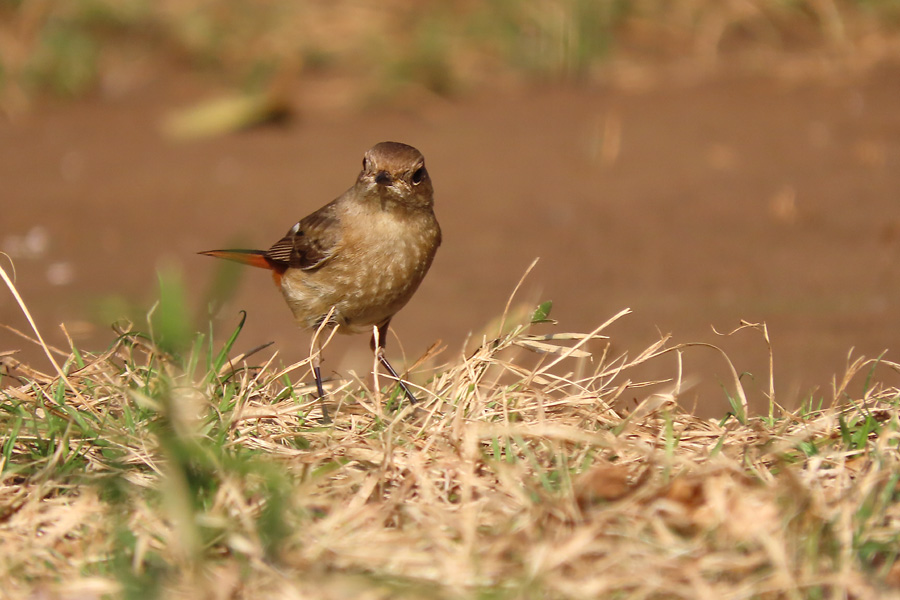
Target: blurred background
{"type": "Point", "coordinates": [699, 161]}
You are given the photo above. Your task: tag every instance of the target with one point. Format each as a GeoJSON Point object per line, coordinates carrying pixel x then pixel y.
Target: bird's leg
{"type": "Point", "coordinates": [379, 339]}
{"type": "Point", "coordinates": [317, 374]}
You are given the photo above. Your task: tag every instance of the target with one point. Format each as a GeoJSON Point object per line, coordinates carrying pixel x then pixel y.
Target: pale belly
{"type": "Point", "coordinates": [365, 285]}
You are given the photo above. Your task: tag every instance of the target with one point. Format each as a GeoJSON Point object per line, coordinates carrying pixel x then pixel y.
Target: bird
{"type": "Point", "coordinates": [355, 262]}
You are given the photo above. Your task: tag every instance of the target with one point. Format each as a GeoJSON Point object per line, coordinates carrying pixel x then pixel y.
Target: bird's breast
{"type": "Point", "coordinates": [381, 260]}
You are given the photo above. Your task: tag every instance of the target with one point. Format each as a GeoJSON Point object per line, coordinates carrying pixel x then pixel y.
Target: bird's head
{"type": "Point", "coordinates": [395, 172]}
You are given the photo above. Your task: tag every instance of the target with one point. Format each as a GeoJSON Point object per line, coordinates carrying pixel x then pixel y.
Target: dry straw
{"type": "Point", "coordinates": [136, 473]}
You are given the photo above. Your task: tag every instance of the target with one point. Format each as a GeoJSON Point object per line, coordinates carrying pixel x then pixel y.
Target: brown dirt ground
{"type": "Point", "coordinates": [731, 199]}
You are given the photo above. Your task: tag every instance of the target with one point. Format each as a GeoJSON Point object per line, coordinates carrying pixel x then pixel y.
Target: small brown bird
{"type": "Point", "coordinates": [358, 260]}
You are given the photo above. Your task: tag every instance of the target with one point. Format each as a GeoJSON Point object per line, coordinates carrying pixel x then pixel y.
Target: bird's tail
{"type": "Point", "coordinates": [254, 258]}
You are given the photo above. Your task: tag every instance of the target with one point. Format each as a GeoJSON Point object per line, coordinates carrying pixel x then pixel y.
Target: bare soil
{"type": "Point", "coordinates": [696, 205]}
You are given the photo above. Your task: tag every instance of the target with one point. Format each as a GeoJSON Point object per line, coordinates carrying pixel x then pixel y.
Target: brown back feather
{"type": "Point", "coordinates": [309, 243]}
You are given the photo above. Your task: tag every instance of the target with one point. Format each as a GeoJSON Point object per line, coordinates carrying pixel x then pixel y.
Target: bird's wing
{"type": "Point", "coordinates": [309, 243]}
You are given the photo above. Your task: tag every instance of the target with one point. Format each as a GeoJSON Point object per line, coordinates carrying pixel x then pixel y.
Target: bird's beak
{"type": "Point", "coordinates": [383, 178]}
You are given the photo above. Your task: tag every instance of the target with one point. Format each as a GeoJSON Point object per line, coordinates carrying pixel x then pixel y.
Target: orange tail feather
{"type": "Point", "coordinates": [254, 258]}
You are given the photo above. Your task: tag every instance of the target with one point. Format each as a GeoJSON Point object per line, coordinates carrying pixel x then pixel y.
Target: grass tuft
{"type": "Point", "coordinates": [140, 472]}
{"type": "Point", "coordinates": [388, 51]}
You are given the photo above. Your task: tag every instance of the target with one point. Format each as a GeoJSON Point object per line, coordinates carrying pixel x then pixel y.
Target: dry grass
{"type": "Point", "coordinates": [403, 49]}
{"type": "Point", "coordinates": [149, 474]}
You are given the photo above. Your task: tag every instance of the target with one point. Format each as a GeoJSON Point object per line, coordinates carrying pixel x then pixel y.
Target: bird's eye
{"type": "Point", "coordinates": [365, 163]}
{"type": "Point", "coordinates": [418, 175]}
